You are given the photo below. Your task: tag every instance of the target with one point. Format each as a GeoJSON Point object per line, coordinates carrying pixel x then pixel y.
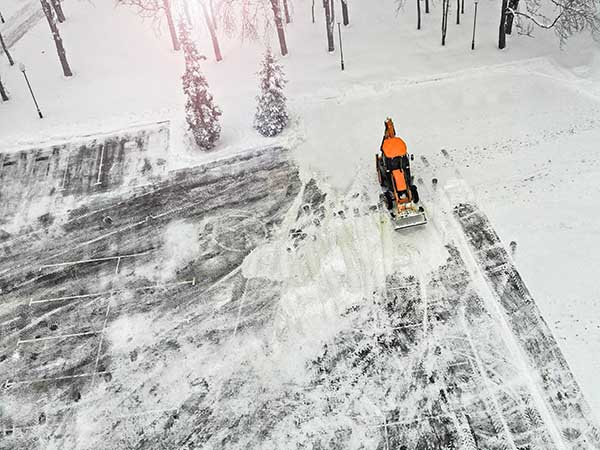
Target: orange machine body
{"type": "Point", "coordinates": [393, 147]}
{"type": "Point", "coordinates": [396, 180]}
{"type": "Point", "coordinates": [399, 180]}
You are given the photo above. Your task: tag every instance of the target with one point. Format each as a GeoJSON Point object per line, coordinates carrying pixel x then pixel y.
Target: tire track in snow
{"type": "Point", "coordinates": [491, 301]}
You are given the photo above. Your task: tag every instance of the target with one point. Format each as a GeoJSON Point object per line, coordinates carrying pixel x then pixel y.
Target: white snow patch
{"type": "Point", "coordinates": [127, 333]}
{"type": "Point", "coordinates": [180, 247]}
{"type": "Point", "coordinates": [339, 264]}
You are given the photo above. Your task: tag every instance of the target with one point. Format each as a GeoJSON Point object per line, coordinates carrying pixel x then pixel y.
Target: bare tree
{"type": "Point", "coordinates": [426, 6]}
{"type": "Point", "coordinates": [60, 15]}
{"type": "Point", "coordinates": [329, 25]}
{"type": "Point", "coordinates": [171, 24]}
{"type": "Point", "coordinates": [313, 11]}
{"type": "Point", "coordinates": [345, 16]}
{"type": "Point", "coordinates": [445, 8]}
{"type": "Point", "coordinates": [457, 12]}
{"type": "Point", "coordinates": [249, 19]}
{"type": "Point", "coordinates": [253, 18]}
{"type": "Point", "coordinates": [60, 49]}
{"type": "Point", "coordinates": [571, 16]}
{"type": "Point", "coordinates": [3, 94]}
{"type": "Point", "coordinates": [154, 9]}
{"type": "Point", "coordinates": [512, 4]}
{"type": "Point", "coordinates": [502, 27]}
{"type": "Point", "coordinates": [279, 26]}
{"type": "Point", "coordinates": [6, 52]}
{"type": "Point", "coordinates": [286, 10]}
{"type": "Point", "coordinates": [2, 18]}
{"type": "Point", "coordinates": [332, 8]}
{"type": "Point", "coordinates": [211, 28]}
{"type": "Point", "coordinates": [213, 14]}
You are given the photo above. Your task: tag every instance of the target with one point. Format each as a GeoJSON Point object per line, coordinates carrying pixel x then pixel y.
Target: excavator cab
{"type": "Point", "coordinates": [400, 194]}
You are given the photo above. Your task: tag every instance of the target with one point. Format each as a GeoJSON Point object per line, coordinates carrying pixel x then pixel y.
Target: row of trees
{"type": "Point", "coordinates": [55, 15]}
{"type": "Point", "coordinates": [244, 15]}
{"type": "Point", "coordinates": [571, 16]}
{"type": "Point", "coordinates": [329, 11]}
{"type": "Point", "coordinates": [245, 18]}
{"type": "Point", "coordinates": [231, 14]}
{"type": "Point", "coordinates": [202, 114]}
{"type": "Point", "coordinates": [250, 18]}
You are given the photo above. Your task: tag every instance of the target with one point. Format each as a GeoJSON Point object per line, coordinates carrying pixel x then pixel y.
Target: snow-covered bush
{"type": "Point", "coordinates": [201, 114]}
{"type": "Point", "coordinates": [271, 114]}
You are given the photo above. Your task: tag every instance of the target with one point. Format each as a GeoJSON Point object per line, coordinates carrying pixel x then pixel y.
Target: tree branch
{"type": "Point", "coordinates": [534, 20]}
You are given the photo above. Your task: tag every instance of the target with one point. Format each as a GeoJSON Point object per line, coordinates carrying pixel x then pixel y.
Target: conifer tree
{"type": "Point", "coordinates": [271, 114]}
{"type": "Point", "coordinates": [201, 114]}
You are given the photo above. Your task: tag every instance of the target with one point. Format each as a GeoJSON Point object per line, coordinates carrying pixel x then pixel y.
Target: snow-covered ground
{"type": "Point", "coordinates": [10, 8]}
{"type": "Point", "coordinates": [521, 125]}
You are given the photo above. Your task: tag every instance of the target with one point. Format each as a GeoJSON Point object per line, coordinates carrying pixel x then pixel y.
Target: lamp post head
{"type": "Point", "coordinates": [22, 67]}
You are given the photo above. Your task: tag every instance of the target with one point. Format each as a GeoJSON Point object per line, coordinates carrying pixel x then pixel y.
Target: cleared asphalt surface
{"type": "Point", "coordinates": [127, 320]}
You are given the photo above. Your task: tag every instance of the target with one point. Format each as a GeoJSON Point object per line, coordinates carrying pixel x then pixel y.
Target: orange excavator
{"type": "Point", "coordinates": [400, 194]}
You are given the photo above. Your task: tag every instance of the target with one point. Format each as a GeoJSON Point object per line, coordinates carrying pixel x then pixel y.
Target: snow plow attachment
{"type": "Point", "coordinates": [410, 219]}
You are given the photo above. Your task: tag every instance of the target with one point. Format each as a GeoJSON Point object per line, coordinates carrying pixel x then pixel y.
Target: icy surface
{"type": "Point", "coordinates": [230, 305]}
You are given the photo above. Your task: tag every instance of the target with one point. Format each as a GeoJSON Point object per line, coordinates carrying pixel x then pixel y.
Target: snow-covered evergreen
{"type": "Point", "coordinates": [201, 114]}
{"type": "Point", "coordinates": [271, 114]}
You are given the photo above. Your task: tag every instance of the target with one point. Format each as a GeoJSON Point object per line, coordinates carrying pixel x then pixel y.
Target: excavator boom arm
{"type": "Point", "coordinates": [390, 131]}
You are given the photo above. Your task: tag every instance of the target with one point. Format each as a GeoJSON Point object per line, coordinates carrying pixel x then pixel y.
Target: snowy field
{"type": "Point", "coordinates": [230, 306]}
{"type": "Point", "coordinates": [264, 301]}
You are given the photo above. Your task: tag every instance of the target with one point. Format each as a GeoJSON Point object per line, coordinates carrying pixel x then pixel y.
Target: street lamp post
{"type": "Point", "coordinates": [341, 48]}
{"type": "Point", "coordinates": [474, 25]}
{"type": "Point", "coordinates": [22, 69]}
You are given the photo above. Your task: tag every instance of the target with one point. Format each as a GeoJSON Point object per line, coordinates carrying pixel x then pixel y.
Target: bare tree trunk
{"type": "Point", "coordinates": [457, 12]}
{"type": "Point", "coordinates": [329, 25]}
{"type": "Point", "coordinates": [426, 6]}
{"type": "Point", "coordinates": [213, 14]}
{"type": "Point", "coordinates": [58, 10]}
{"type": "Point", "coordinates": [502, 29]}
{"type": "Point", "coordinates": [3, 94]}
{"type": "Point", "coordinates": [6, 52]}
{"type": "Point", "coordinates": [60, 49]}
{"type": "Point", "coordinates": [213, 34]}
{"type": "Point", "coordinates": [418, 14]}
{"type": "Point", "coordinates": [332, 6]}
{"type": "Point", "coordinates": [279, 26]}
{"type": "Point", "coordinates": [2, 18]}
{"type": "Point", "coordinates": [513, 5]}
{"type": "Point", "coordinates": [313, 11]}
{"type": "Point", "coordinates": [462, 6]}
{"type": "Point", "coordinates": [445, 8]}
{"type": "Point", "coordinates": [286, 10]}
{"type": "Point", "coordinates": [345, 16]}
{"type": "Point", "coordinates": [171, 24]}
{"type": "Point", "coordinates": [509, 23]}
